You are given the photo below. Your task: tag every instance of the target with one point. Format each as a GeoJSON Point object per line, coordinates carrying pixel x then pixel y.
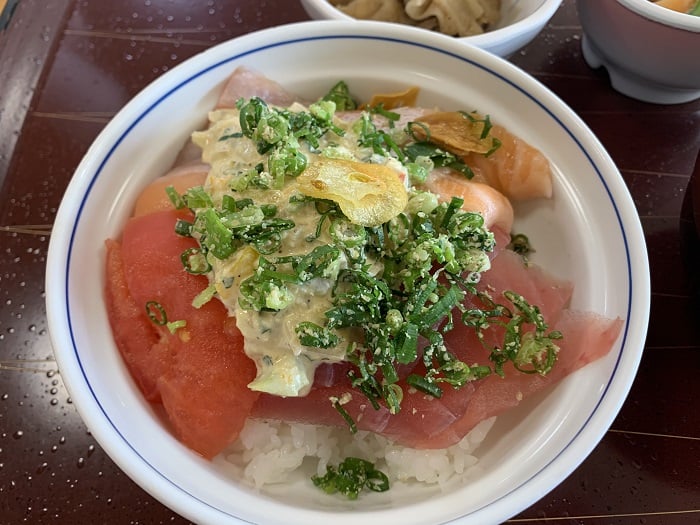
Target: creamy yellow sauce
{"type": "Point", "coordinates": [285, 367]}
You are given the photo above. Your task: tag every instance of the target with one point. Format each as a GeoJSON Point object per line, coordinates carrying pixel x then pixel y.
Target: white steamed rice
{"type": "Point", "coordinates": [273, 452]}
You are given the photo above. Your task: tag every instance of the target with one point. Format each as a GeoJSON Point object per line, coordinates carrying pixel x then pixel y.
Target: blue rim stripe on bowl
{"type": "Point", "coordinates": [339, 37]}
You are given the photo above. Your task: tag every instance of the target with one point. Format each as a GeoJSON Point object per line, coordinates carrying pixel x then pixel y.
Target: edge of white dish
{"type": "Point", "coordinates": [663, 15]}
{"type": "Point", "coordinates": [501, 40]}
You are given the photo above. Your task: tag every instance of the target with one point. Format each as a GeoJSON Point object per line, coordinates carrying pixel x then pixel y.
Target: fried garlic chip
{"type": "Point", "coordinates": [453, 131]}
{"type": "Point", "coordinates": [368, 194]}
{"type": "Point", "coordinates": [399, 99]}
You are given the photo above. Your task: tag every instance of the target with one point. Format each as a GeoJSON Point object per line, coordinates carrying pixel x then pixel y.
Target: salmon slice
{"type": "Point", "coordinates": [154, 197]}
{"type": "Point", "coordinates": [478, 197]}
{"type": "Point", "coordinates": [516, 169]}
{"type": "Point", "coordinates": [682, 6]}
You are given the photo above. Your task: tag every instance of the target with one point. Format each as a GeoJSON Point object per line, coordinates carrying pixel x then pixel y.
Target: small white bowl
{"type": "Point", "coordinates": [589, 232]}
{"type": "Point", "coordinates": [521, 21]}
{"type": "Point", "coordinates": [650, 52]}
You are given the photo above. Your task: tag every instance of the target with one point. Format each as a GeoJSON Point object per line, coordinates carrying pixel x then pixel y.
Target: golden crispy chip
{"type": "Point", "coordinates": [368, 194]}
{"type": "Point", "coordinates": [399, 99]}
{"type": "Point", "coordinates": [454, 132]}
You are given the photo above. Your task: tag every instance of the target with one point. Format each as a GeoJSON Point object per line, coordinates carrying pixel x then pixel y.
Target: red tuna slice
{"type": "Point", "coordinates": [426, 422]}
{"type": "Point", "coordinates": [421, 415]}
{"type": "Point", "coordinates": [246, 83]}
{"type": "Point", "coordinates": [200, 372]}
{"type": "Point", "coordinates": [587, 337]}
{"type": "Point", "coordinates": [316, 408]}
{"type": "Point", "coordinates": [429, 423]}
{"type": "Point", "coordinates": [509, 272]}
{"type": "Point", "coordinates": [420, 418]}
{"type": "Point", "coordinates": [134, 334]}
{"type": "Point", "coordinates": [205, 394]}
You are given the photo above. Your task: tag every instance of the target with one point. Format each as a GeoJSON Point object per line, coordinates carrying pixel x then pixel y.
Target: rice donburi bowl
{"type": "Point", "coordinates": [220, 488]}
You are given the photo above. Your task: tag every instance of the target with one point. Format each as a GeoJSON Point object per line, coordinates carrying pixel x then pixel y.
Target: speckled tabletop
{"type": "Point", "coordinates": [67, 66]}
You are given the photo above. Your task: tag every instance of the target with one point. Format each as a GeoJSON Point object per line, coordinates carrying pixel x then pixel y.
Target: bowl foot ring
{"type": "Point", "coordinates": [633, 86]}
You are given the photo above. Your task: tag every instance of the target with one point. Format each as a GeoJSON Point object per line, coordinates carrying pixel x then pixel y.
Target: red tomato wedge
{"type": "Point", "coordinates": [200, 372]}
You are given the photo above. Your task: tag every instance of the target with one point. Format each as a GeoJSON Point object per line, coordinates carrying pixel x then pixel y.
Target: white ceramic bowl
{"type": "Point", "coordinates": [520, 23]}
{"type": "Point", "coordinates": [589, 232]}
{"type": "Point", "coordinates": [649, 51]}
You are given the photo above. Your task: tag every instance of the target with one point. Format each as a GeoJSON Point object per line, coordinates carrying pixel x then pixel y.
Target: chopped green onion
{"type": "Point", "coordinates": [195, 261]}
{"type": "Point", "coordinates": [218, 239]}
{"type": "Point", "coordinates": [175, 198]}
{"type": "Point", "coordinates": [234, 135]}
{"type": "Point", "coordinates": [312, 335]}
{"type": "Point", "coordinates": [495, 145]}
{"type": "Point", "coordinates": [339, 94]}
{"type": "Point", "coordinates": [344, 414]}
{"type": "Point", "coordinates": [351, 477]}
{"type": "Point", "coordinates": [204, 296]}
{"type": "Point", "coordinates": [322, 261]}
{"type": "Point", "coordinates": [407, 347]}
{"type": "Point", "coordinates": [183, 228]}
{"type": "Point", "coordinates": [174, 326]}
{"type": "Point", "coordinates": [400, 285]}
{"type": "Point", "coordinates": [197, 198]}
{"type": "Point", "coordinates": [346, 233]}
{"type": "Point", "coordinates": [520, 244]}
{"type": "Point", "coordinates": [424, 385]}
{"type": "Point", "coordinates": [156, 313]}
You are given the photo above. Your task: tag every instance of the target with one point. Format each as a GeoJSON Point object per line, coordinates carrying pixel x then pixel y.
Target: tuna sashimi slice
{"type": "Point", "coordinates": [427, 422]}
{"type": "Point", "coordinates": [134, 334]}
{"type": "Point", "coordinates": [509, 272]}
{"type": "Point", "coordinates": [200, 372]}
{"type": "Point", "coordinates": [246, 83]}
{"type": "Point", "coordinates": [587, 337]}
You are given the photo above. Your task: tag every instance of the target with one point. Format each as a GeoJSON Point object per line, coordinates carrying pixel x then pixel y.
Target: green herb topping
{"type": "Point", "coordinates": [520, 244]}
{"type": "Point", "coordinates": [392, 291]}
{"type": "Point", "coordinates": [351, 477]}
{"type": "Point", "coordinates": [156, 313]}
